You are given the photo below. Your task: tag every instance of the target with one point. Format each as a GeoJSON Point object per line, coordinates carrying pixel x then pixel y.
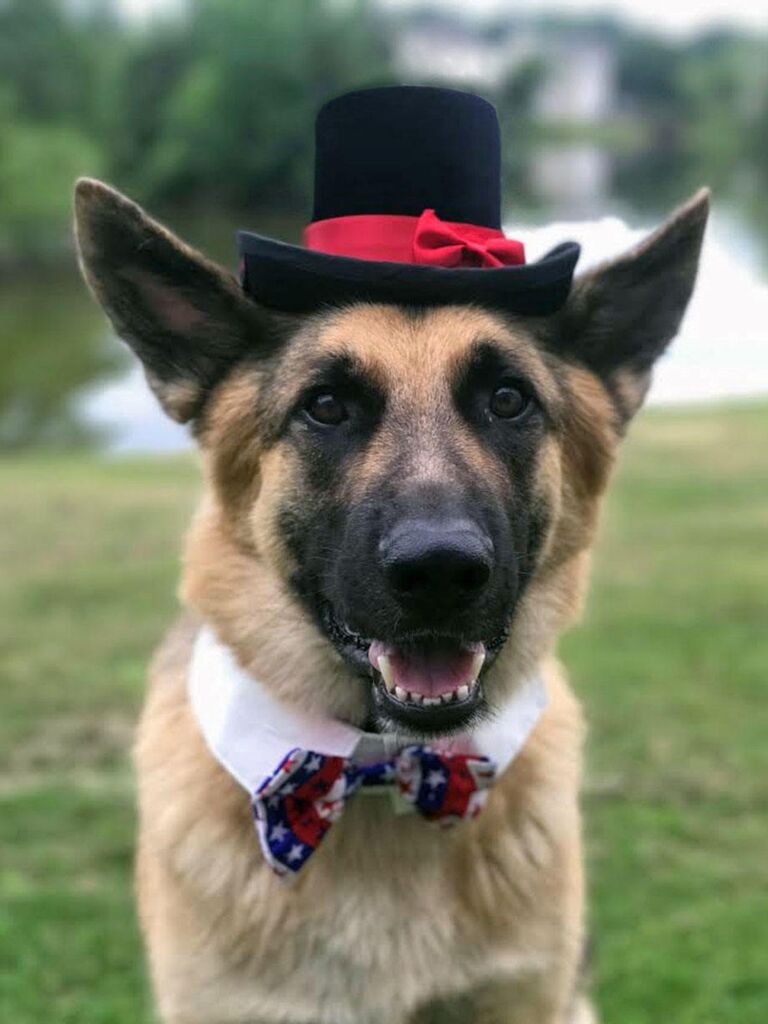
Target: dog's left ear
{"type": "Point", "coordinates": [185, 318]}
{"type": "Point", "coordinates": [622, 315]}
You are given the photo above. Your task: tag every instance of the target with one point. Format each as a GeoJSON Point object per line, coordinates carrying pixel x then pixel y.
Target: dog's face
{"type": "Point", "coordinates": [421, 483]}
{"type": "Point", "coordinates": [407, 481]}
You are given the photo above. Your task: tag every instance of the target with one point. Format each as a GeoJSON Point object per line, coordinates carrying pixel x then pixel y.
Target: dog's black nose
{"type": "Point", "coordinates": [437, 563]}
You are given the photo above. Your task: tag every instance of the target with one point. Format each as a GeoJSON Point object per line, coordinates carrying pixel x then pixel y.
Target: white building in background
{"type": "Point", "coordinates": [580, 75]}
{"type": "Point", "coordinates": [580, 82]}
{"type": "Point", "coordinates": [435, 46]}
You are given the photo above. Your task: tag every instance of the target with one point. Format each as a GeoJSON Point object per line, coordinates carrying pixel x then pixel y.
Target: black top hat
{"type": "Point", "coordinates": [407, 210]}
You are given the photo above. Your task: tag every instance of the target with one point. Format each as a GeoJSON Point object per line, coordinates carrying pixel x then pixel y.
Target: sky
{"type": "Point", "coordinates": [668, 16]}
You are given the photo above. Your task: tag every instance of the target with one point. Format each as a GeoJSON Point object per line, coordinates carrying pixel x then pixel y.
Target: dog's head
{"type": "Point", "coordinates": [400, 499]}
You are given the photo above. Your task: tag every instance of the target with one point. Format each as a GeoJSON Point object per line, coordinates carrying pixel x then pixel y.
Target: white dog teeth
{"type": "Point", "coordinates": [409, 697]}
{"type": "Point", "coordinates": [461, 693]}
{"type": "Point", "coordinates": [385, 667]}
{"type": "Point", "coordinates": [477, 664]}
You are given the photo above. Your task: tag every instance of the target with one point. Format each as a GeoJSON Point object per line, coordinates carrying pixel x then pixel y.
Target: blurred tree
{"type": "Point", "coordinates": [214, 106]}
{"type": "Point", "coordinates": [648, 73]}
{"type": "Point", "coordinates": [220, 106]}
{"type": "Point", "coordinates": [52, 57]}
{"type": "Point", "coordinates": [42, 59]}
{"type": "Point", "coordinates": [725, 81]}
{"type": "Point", "coordinates": [514, 99]}
{"type": "Point", "coordinates": [39, 160]}
{"type": "Point", "coordinates": [51, 66]}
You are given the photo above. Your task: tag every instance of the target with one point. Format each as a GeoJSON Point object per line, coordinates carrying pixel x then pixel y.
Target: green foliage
{"type": "Point", "coordinates": [38, 163]}
{"type": "Point", "coordinates": [702, 102]}
{"type": "Point", "coordinates": [216, 106]}
{"type": "Point", "coordinates": [239, 130]}
{"type": "Point", "coordinates": [648, 73]}
{"type": "Point", "coordinates": [727, 77]}
{"type": "Point", "coordinates": [44, 58]}
{"type": "Point", "coordinates": [50, 68]}
{"type": "Point", "coordinates": [670, 662]}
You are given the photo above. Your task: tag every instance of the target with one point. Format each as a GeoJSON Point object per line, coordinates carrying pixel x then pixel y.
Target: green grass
{"type": "Point", "coordinates": [670, 661]}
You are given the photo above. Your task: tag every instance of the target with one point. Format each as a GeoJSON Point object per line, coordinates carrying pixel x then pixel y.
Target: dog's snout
{"type": "Point", "coordinates": [440, 563]}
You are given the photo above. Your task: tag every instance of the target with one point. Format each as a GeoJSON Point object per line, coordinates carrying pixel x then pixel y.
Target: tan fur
{"type": "Point", "coordinates": [394, 922]}
{"type": "Point", "coordinates": [179, 398]}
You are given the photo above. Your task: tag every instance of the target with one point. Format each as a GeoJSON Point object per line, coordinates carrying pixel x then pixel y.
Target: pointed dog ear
{"type": "Point", "coordinates": [185, 318]}
{"type": "Point", "coordinates": [622, 315]}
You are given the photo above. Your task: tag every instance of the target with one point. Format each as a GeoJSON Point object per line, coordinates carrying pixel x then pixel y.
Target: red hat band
{"type": "Point", "coordinates": [404, 239]}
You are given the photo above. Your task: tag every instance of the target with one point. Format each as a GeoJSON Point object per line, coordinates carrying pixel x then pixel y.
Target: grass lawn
{"type": "Point", "coordinates": [671, 662]}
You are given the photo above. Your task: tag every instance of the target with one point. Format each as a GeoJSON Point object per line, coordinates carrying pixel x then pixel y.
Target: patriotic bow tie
{"type": "Point", "coordinates": [294, 808]}
{"type": "Point", "coordinates": [463, 245]}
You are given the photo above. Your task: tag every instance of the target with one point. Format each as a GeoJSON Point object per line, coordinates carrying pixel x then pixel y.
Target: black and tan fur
{"type": "Point", "coordinates": [392, 923]}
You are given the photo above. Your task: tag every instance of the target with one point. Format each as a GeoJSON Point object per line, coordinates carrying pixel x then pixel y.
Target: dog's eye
{"type": "Point", "coordinates": [508, 402]}
{"type": "Point", "coordinates": [325, 408]}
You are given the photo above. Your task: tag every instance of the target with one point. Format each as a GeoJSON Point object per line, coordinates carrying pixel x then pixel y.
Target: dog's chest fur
{"type": "Point", "coordinates": [392, 912]}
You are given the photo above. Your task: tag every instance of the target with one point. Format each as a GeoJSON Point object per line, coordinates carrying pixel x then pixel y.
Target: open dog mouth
{"type": "Point", "coordinates": [431, 684]}
{"type": "Point", "coordinates": [427, 682]}
{"type": "Point", "coordinates": [429, 673]}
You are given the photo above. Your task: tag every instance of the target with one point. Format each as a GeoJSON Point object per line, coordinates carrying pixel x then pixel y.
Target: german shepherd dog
{"type": "Point", "coordinates": [340, 449]}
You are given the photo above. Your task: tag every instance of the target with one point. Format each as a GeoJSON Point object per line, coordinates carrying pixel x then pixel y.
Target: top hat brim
{"type": "Point", "coordinates": [293, 279]}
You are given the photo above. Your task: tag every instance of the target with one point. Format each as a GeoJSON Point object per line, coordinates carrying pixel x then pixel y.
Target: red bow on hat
{"type": "Point", "coordinates": [443, 244]}
{"type": "Point", "coordinates": [409, 239]}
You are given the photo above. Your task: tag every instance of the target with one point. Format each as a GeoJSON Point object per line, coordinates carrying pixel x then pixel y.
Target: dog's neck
{"type": "Point", "coordinates": [249, 731]}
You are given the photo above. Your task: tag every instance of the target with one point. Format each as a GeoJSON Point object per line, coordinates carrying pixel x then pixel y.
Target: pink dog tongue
{"type": "Point", "coordinates": [429, 669]}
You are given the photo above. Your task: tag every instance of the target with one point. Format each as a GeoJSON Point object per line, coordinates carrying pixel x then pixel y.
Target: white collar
{"type": "Point", "coordinates": [250, 732]}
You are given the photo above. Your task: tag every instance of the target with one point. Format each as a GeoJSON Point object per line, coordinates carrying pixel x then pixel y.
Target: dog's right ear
{"type": "Point", "coordinates": [186, 319]}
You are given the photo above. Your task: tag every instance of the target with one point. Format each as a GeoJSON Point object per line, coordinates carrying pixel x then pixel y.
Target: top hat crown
{"type": "Point", "coordinates": [406, 149]}
{"type": "Point", "coordinates": [407, 209]}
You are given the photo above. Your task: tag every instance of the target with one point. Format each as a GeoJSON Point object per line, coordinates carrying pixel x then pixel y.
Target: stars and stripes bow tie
{"type": "Point", "coordinates": [294, 808]}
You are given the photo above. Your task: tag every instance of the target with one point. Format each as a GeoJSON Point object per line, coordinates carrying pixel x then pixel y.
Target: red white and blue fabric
{"type": "Point", "coordinates": [249, 731]}
{"type": "Point", "coordinates": [297, 805]}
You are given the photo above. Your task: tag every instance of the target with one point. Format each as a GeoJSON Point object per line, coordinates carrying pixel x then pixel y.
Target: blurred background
{"type": "Point", "coordinates": [203, 112]}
